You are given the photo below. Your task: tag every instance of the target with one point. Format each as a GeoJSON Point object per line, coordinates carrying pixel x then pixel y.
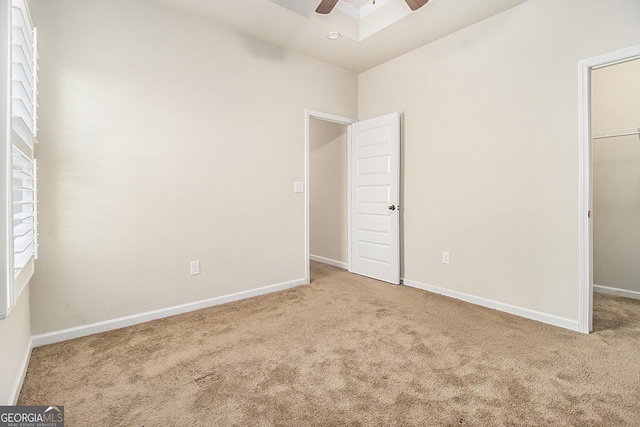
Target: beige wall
{"type": "Point", "coordinates": [615, 104]}
{"type": "Point", "coordinates": [15, 343]}
{"type": "Point", "coordinates": [166, 138]}
{"type": "Point", "coordinates": [616, 177]}
{"type": "Point", "coordinates": [490, 150]}
{"type": "Point", "coordinates": [328, 190]}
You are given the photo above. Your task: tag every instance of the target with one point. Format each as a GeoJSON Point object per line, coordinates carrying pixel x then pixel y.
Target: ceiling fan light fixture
{"type": "Point", "coordinates": [326, 6]}
{"type": "Point", "coordinates": [333, 35]}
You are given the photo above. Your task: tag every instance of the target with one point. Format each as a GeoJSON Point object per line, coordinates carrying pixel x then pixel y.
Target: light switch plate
{"type": "Point", "coordinates": [298, 187]}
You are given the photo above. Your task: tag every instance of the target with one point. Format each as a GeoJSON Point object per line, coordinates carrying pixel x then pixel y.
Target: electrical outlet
{"type": "Point", "coordinates": [195, 267]}
{"type": "Point", "coordinates": [445, 257]}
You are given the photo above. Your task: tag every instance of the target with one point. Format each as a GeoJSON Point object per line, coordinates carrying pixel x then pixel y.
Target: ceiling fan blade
{"type": "Point", "coordinates": [326, 6]}
{"type": "Point", "coordinates": [416, 4]}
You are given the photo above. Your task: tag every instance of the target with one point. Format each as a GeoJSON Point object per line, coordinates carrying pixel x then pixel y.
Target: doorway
{"type": "Point", "coordinates": [329, 128]}
{"type": "Point", "coordinates": [586, 272]}
{"type": "Point", "coordinates": [615, 122]}
{"type": "Point", "coordinates": [372, 175]}
{"type": "Point", "coordinates": [328, 193]}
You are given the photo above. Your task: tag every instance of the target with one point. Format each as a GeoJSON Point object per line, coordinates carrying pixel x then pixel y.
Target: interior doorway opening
{"type": "Point", "coordinates": [326, 203]}
{"type": "Point", "coordinates": [328, 193]}
{"type": "Point", "coordinates": [373, 194]}
{"type": "Point", "coordinates": [615, 114]}
{"type": "Point", "coordinates": [585, 210]}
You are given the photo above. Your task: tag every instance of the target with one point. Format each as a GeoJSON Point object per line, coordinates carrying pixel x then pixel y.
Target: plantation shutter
{"type": "Point", "coordinates": [24, 129]}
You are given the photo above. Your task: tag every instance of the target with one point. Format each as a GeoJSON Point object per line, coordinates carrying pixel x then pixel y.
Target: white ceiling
{"type": "Point", "coordinates": [265, 20]}
{"type": "Point", "coordinates": [357, 3]}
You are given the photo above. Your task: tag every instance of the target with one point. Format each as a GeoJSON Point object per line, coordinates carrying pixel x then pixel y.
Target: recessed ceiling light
{"type": "Point", "coordinates": [332, 35]}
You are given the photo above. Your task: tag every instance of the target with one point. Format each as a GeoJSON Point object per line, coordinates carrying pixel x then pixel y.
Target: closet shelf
{"type": "Point", "coordinates": [612, 133]}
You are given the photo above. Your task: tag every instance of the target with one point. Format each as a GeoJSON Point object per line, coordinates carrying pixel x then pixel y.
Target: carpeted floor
{"type": "Point", "coordinates": [347, 351]}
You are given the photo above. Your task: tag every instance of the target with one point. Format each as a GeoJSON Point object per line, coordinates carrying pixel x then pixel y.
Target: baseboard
{"type": "Point", "coordinates": [329, 261]}
{"type": "Point", "coordinates": [15, 393]}
{"type": "Point", "coordinates": [616, 291]}
{"type": "Point", "coordinates": [122, 322]}
{"type": "Point", "coordinates": [507, 308]}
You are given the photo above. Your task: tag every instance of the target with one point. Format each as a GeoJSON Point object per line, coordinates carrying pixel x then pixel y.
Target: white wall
{"type": "Point", "coordinates": [166, 138]}
{"type": "Point", "coordinates": [15, 348]}
{"type": "Point", "coordinates": [490, 150]}
{"type": "Point", "coordinates": [328, 186]}
{"type": "Point", "coordinates": [615, 102]}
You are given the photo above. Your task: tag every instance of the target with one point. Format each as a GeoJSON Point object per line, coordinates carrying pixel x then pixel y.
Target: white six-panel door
{"type": "Point", "coordinates": [375, 184]}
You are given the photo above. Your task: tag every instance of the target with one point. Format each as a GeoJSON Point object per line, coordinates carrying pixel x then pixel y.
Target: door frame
{"type": "Point", "coordinates": [308, 115]}
{"type": "Point", "coordinates": [585, 184]}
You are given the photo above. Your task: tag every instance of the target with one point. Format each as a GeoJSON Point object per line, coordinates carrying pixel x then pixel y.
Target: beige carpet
{"type": "Point", "coordinates": [347, 351]}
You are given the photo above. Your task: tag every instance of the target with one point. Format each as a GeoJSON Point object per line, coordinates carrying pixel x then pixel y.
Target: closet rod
{"type": "Point", "coordinates": [609, 134]}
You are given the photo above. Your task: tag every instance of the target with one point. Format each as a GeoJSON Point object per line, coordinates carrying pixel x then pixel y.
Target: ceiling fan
{"type": "Point", "coordinates": [326, 6]}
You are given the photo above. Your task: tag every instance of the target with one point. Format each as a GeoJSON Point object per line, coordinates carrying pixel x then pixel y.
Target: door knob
{"type": "Point", "coordinates": [392, 208]}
